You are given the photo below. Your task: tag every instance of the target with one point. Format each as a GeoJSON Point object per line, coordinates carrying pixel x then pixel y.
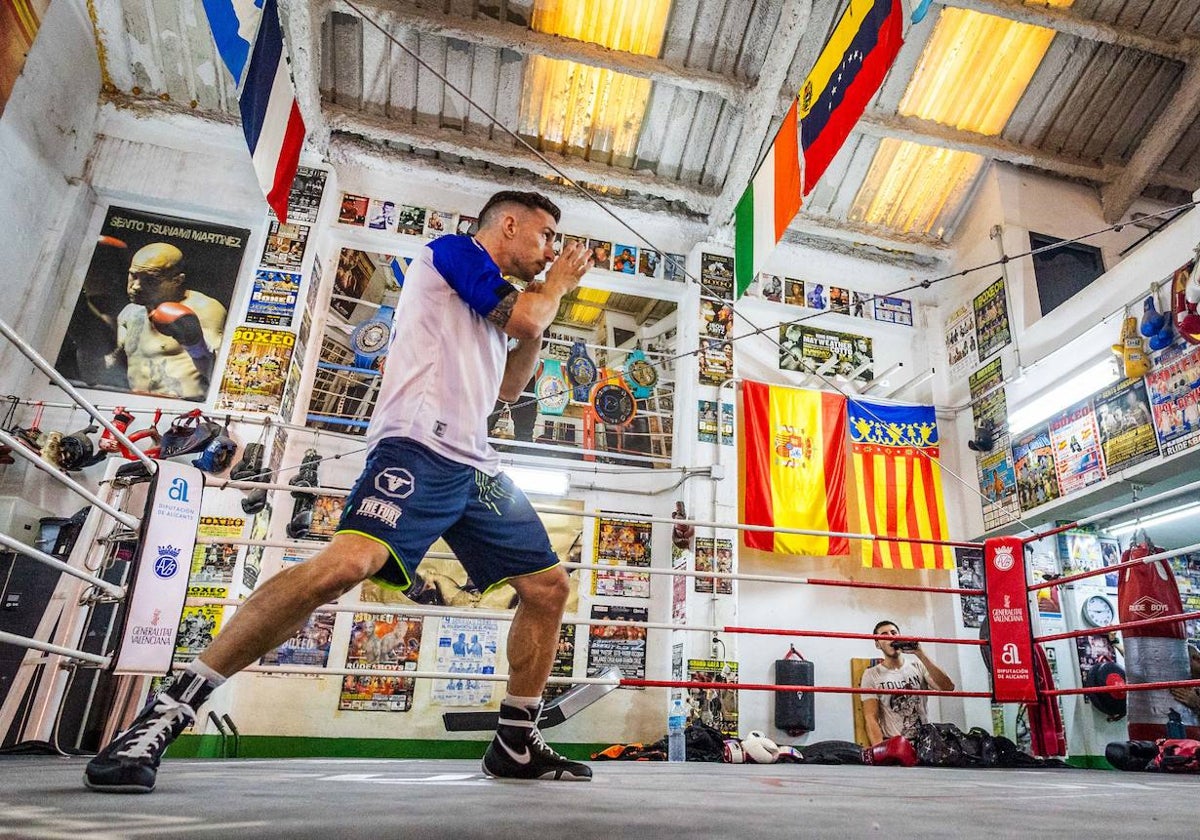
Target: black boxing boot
{"type": "Point", "coordinates": [129, 764]}
{"type": "Point", "coordinates": [519, 752]}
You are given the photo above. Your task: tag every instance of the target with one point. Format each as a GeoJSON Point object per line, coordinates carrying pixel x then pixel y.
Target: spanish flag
{"type": "Point", "coordinates": [898, 483]}
{"type": "Point", "coordinates": [794, 453]}
{"type": "Point", "coordinates": [848, 72]}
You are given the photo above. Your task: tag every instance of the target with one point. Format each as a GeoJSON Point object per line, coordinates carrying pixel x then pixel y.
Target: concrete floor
{"type": "Point", "coordinates": [44, 797]}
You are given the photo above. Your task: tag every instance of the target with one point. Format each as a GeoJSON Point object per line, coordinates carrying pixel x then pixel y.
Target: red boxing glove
{"type": "Point", "coordinates": [177, 321]}
{"type": "Point", "coordinates": [895, 750]}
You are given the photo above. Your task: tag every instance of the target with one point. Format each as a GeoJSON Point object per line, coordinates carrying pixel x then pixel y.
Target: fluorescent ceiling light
{"type": "Point", "coordinates": [572, 108]}
{"type": "Point", "coordinates": [971, 75]}
{"type": "Point", "coordinates": [535, 482]}
{"type": "Point", "coordinates": [1063, 395]}
{"type": "Point", "coordinates": [1161, 518]}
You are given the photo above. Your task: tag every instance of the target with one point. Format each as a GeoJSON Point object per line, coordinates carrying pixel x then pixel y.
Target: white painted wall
{"type": "Point", "coordinates": [76, 158]}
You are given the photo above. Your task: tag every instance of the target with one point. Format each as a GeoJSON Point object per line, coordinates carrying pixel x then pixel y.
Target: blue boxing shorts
{"type": "Point", "coordinates": [407, 496]}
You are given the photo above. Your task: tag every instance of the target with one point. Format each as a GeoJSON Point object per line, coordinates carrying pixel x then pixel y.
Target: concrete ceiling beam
{"type": "Point", "coordinates": [760, 112]}
{"type": "Point", "coordinates": [1177, 117]}
{"type": "Point", "coordinates": [511, 36]}
{"type": "Point", "coordinates": [381, 129]}
{"type": "Point", "coordinates": [1069, 22]}
{"type": "Point", "coordinates": [929, 133]}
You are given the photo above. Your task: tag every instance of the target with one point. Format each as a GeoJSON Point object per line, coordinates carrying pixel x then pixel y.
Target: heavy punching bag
{"type": "Point", "coordinates": [1156, 652]}
{"type": "Point", "coordinates": [794, 711]}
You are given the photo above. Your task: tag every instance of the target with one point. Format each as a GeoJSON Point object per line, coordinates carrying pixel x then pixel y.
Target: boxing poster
{"type": "Point", "coordinates": [709, 427]}
{"type": "Point", "coordinates": [716, 361]}
{"type": "Point", "coordinates": [466, 648]}
{"type": "Point", "coordinates": [716, 318]}
{"type": "Point", "coordinates": [256, 370]}
{"type": "Point", "coordinates": [1077, 455]}
{"type": "Point", "coordinates": [1174, 391]}
{"type": "Point", "coordinates": [987, 394]}
{"type": "Point", "coordinates": [714, 555]}
{"type": "Point", "coordinates": [622, 646]}
{"type": "Point", "coordinates": [1126, 430]}
{"type": "Point", "coordinates": [973, 608]}
{"type": "Point", "coordinates": [273, 298]}
{"type": "Point", "coordinates": [259, 529]}
{"type": "Point", "coordinates": [716, 276]}
{"type": "Point", "coordinates": [200, 623]}
{"type": "Point", "coordinates": [304, 197]}
{"type": "Point", "coordinates": [675, 268]}
{"type": "Point", "coordinates": [285, 246]}
{"type": "Point", "coordinates": [991, 319]}
{"type": "Point", "coordinates": [1033, 459]}
{"type": "Point", "coordinates": [715, 707]}
{"type": "Point", "coordinates": [894, 310]}
{"type": "Point", "coordinates": [380, 642]}
{"type": "Point", "coordinates": [308, 647]}
{"type": "Point", "coordinates": [1080, 552]}
{"type": "Point", "coordinates": [214, 562]}
{"type": "Point", "coordinates": [152, 311]}
{"type": "Point", "coordinates": [564, 662]}
{"type": "Point", "coordinates": [622, 542]}
{"type": "Point", "coordinates": [961, 348]}
{"type": "Point", "coordinates": [679, 562]}
{"type": "Point", "coordinates": [998, 485]}
{"type": "Point", "coordinates": [826, 353]}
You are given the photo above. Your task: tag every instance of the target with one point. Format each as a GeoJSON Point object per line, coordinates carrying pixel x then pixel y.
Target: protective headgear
{"type": "Point", "coordinates": [217, 455]}
{"type": "Point", "coordinates": [76, 450]}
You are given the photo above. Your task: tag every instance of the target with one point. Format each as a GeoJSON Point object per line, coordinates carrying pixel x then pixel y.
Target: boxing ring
{"type": "Point", "coordinates": [287, 798]}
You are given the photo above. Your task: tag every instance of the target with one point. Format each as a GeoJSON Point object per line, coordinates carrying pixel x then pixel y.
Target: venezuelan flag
{"type": "Point", "coordinates": [898, 483]}
{"type": "Point", "coordinates": [848, 72]}
{"type": "Point", "coordinates": [794, 454]}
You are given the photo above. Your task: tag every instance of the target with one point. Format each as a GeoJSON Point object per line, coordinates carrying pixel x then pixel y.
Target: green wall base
{"type": "Point", "coordinates": [1089, 762]}
{"type": "Point", "coordinates": [277, 746]}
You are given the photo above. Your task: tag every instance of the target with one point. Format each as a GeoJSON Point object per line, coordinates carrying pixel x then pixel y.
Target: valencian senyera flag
{"type": "Point", "coordinates": [847, 73]}
{"type": "Point", "coordinates": [769, 204]}
{"type": "Point", "coordinates": [898, 481]}
{"type": "Point", "coordinates": [794, 453]}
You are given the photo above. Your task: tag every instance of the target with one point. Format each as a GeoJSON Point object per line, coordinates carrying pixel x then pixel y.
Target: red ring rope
{"type": "Point", "coordinates": [1102, 631]}
{"type": "Point", "coordinates": [831, 689]}
{"type": "Point", "coordinates": [1104, 689]}
{"type": "Point", "coordinates": [823, 634]}
{"type": "Point", "coordinates": [898, 587]}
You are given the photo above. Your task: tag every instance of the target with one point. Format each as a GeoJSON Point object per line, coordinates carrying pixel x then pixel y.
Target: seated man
{"type": "Point", "coordinates": [888, 715]}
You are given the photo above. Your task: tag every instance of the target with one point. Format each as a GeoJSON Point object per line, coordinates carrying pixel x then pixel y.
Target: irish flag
{"type": "Point", "coordinates": [769, 204]}
{"type": "Point", "coordinates": [794, 454]}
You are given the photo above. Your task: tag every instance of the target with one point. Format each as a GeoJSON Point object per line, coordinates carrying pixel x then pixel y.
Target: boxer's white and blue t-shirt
{"type": "Point", "coordinates": [444, 368]}
{"type": "Point", "coordinates": [431, 471]}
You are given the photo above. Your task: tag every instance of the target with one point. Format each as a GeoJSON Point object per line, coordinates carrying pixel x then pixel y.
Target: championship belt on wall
{"type": "Point", "coordinates": [612, 401]}
{"type": "Point", "coordinates": [581, 372]}
{"type": "Point", "coordinates": [371, 338]}
{"type": "Point", "coordinates": [640, 374]}
{"type": "Point", "coordinates": [551, 388]}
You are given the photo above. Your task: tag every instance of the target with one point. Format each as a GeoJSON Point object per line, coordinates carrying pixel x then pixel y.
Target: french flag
{"type": "Point", "coordinates": [271, 119]}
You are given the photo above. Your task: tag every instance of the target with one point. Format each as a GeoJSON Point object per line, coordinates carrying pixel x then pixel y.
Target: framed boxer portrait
{"type": "Point", "coordinates": [119, 339]}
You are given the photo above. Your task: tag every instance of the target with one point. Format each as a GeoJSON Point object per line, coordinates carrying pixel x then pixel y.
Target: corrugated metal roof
{"type": "Point", "coordinates": [1090, 106]}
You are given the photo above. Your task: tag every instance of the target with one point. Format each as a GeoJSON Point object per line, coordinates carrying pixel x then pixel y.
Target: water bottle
{"type": "Point", "coordinates": [676, 723]}
{"type": "Point", "coordinates": [1175, 725]}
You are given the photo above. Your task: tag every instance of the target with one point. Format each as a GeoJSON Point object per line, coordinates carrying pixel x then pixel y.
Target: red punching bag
{"type": "Point", "coordinates": [1156, 652]}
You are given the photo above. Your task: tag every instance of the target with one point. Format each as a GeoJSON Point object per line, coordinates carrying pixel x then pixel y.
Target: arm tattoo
{"type": "Point", "coordinates": [503, 310]}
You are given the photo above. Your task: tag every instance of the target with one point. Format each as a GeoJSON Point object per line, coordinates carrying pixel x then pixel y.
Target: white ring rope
{"type": "Point", "coordinates": [55, 563]}
{"type": "Point", "coordinates": [22, 641]}
{"type": "Point", "coordinates": [58, 379]}
{"type": "Point", "coordinates": [20, 449]}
